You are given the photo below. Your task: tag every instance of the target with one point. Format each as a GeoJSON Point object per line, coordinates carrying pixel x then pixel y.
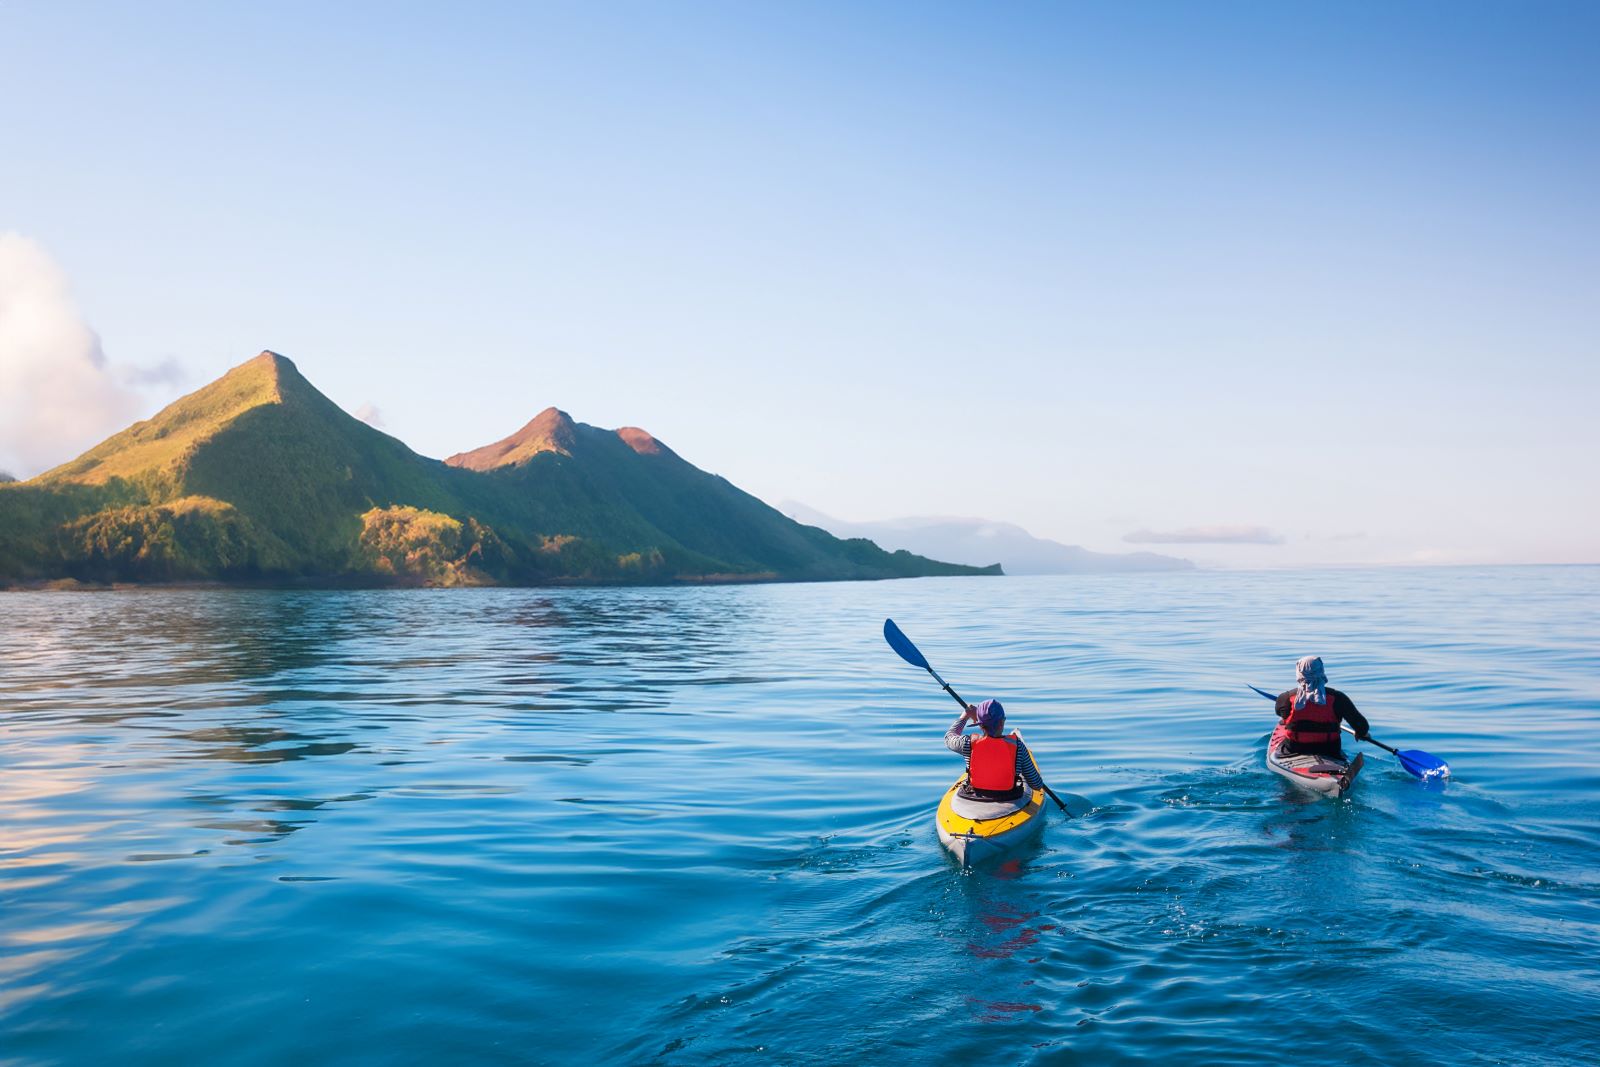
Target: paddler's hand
{"type": "Point", "coordinates": [972, 713]}
{"type": "Point", "coordinates": [1362, 735]}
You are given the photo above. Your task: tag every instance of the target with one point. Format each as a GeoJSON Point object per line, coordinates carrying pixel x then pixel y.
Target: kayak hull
{"type": "Point", "coordinates": [976, 832]}
{"type": "Point", "coordinates": [1319, 774]}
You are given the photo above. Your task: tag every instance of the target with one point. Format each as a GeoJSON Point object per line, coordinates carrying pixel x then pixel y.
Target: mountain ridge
{"type": "Point", "coordinates": [257, 476]}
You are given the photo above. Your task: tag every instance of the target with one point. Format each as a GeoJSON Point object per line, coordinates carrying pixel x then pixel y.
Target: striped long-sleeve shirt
{"type": "Point", "coordinates": [958, 741]}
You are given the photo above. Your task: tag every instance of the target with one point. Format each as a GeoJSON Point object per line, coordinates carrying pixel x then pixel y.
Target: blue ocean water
{"type": "Point", "coordinates": [691, 826]}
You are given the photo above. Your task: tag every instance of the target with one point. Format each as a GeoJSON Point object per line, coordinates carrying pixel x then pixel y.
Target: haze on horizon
{"type": "Point", "coordinates": [1252, 284]}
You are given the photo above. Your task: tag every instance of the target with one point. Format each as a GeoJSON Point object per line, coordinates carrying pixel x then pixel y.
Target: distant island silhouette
{"type": "Point", "coordinates": [965, 540]}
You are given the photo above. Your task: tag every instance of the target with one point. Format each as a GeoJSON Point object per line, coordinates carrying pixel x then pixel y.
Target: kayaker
{"type": "Point", "coordinates": [994, 761]}
{"type": "Point", "coordinates": [1313, 710]}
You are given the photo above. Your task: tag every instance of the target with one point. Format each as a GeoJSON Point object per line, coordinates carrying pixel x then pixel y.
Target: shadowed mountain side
{"type": "Point", "coordinates": [971, 540]}
{"type": "Point", "coordinates": [259, 477]}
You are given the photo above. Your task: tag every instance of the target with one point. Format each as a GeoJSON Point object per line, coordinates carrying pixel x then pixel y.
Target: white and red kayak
{"type": "Point", "coordinates": [1320, 774]}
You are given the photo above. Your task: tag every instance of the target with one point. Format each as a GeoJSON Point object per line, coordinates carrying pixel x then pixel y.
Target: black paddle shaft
{"type": "Point", "coordinates": [953, 694]}
{"type": "Point", "coordinates": [1373, 740]}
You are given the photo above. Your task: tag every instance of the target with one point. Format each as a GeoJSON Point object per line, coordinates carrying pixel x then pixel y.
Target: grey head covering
{"type": "Point", "coordinates": [1313, 681]}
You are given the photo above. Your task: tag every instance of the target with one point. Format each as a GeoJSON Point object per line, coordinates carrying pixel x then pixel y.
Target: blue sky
{"type": "Point", "coordinates": [1152, 269]}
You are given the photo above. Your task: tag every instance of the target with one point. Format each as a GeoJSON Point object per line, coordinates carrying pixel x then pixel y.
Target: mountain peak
{"type": "Point", "coordinates": [552, 430]}
{"type": "Point", "coordinates": [641, 442]}
{"type": "Point", "coordinates": [278, 370]}
{"type": "Point", "coordinates": [176, 429]}
{"type": "Point", "coordinates": [268, 360]}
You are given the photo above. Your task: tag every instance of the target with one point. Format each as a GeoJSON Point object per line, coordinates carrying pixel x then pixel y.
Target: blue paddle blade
{"type": "Point", "coordinates": [1424, 765]}
{"type": "Point", "coordinates": [902, 644]}
{"type": "Point", "coordinates": [1263, 692]}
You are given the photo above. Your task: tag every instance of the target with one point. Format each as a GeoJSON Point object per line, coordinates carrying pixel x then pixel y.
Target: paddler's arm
{"type": "Point", "coordinates": [955, 738]}
{"type": "Point", "coordinates": [1027, 768]}
{"type": "Point", "coordinates": [1285, 704]}
{"type": "Point", "coordinates": [1345, 708]}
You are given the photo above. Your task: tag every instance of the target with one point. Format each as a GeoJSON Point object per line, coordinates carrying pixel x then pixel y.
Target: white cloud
{"type": "Point", "coordinates": [369, 414]}
{"type": "Point", "coordinates": [58, 393]}
{"type": "Point", "coordinates": [169, 372]}
{"type": "Point", "coordinates": [57, 396]}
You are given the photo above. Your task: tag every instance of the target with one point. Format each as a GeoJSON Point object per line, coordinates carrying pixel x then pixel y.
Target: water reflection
{"type": "Point", "coordinates": [245, 744]}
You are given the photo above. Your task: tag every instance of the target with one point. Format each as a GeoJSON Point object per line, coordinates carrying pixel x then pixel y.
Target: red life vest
{"type": "Point", "coordinates": [1312, 724]}
{"type": "Point", "coordinates": [992, 766]}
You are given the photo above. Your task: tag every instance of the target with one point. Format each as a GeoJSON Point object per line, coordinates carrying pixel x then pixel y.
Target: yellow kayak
{"type": "Point", "coordinates": [975, 830]}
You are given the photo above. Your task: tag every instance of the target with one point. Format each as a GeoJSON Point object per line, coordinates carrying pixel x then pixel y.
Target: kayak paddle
{"type": "Point", "coordinates": [908, 652]}
{"type": "Point", "coordinates": [1418, 763]}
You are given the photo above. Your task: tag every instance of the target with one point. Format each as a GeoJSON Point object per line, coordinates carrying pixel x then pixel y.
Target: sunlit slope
{"type": "Point", "coordinates": [158, 448]}
{"type": "Point", "coordinates": [259, 477]}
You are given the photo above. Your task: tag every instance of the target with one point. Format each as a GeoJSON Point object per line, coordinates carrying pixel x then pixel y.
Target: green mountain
{"type": "Point", "coordinates": [258, 477]}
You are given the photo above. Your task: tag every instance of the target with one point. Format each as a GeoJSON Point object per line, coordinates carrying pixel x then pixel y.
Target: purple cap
{"type": "Point", "coordinates": [992, 717]}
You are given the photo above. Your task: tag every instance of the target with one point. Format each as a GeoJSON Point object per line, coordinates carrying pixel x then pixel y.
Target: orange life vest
{"type": "Point", "coordinates": [992, 766]}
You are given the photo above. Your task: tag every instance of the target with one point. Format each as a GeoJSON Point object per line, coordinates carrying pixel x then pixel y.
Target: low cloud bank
{"type": "Point", "coordinates": [1206, 535]}
{"type": "Point", "coordinates": [58, 393]}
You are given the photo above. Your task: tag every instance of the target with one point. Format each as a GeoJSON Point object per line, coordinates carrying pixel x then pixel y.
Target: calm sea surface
{"type": "Point", "coordinates": [695, 826]}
